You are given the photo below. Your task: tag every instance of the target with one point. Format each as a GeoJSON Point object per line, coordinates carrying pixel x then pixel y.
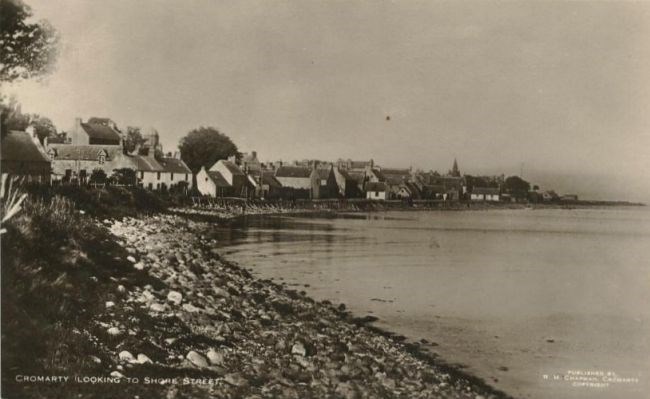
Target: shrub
{"type": "Point", "coordinates": [98, 176]}
{"type": "Point", "coordinates": [124, 176]}
{"type": "Point", "coordinates": [11, 197]}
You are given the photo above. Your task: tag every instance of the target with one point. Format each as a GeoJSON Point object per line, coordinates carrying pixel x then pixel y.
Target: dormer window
{"type": "Point", "coordinates": [51, 153]}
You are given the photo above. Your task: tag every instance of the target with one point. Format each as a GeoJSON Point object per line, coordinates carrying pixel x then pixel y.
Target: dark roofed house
{"type": "Point", "coordinates": [212, 183]}
{"type": "Point", "coordinates": [97, 131]}
{"type": "Point", "coordinates": [293, 171]}
{"type": "Point", "coordinates": [350, 184]}
{"type": "Point", "coordinates": [323, 183]}
{"type": "Point", "coordinates": [22, 155]}
{"type": "Point", "coordinates": [101, 134]}
{"type": "Point", "coordinates": [265, 184]}
{"type": "Point", "coordinates": [394, 180]}
{"type": "Point", "coordinates": [219, 180]}
{"type": "Point", "coordinates": [296, 177]}
{"type": "Point", "coordinates": [241, 187]}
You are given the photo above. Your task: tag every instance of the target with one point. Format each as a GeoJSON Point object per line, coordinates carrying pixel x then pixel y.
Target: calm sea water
{"type": "Point", "coordinates": [518, 297]}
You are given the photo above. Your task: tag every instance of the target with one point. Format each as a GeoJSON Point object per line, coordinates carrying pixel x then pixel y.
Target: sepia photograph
{"type": "Point", "coordinates": [350, 199]}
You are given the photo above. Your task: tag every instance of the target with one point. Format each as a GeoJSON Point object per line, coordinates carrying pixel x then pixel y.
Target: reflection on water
{"type": "Point", "coordinates": [512, 294]}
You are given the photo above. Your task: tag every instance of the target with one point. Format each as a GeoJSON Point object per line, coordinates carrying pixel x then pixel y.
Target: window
{"type": "Point", "coordinates": [185, 176]}
{"type": "Point", "coordinates": [158, 175]}
{"type": "Point", "coordinates": [101, 158]}
{"type": "Point", "coordinates": [376, 193]}
{"type": "Point", "coordinates": [142, 174]}
{"type": "Point", "coordinates": [172, 176]}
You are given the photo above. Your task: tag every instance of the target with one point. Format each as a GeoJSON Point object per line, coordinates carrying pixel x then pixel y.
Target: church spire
{"type": "Point", "coordinates": [454, 170]}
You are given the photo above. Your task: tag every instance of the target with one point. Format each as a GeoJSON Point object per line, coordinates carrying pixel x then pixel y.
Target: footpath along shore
{"type": "Point", "coordinates": [213, 329]}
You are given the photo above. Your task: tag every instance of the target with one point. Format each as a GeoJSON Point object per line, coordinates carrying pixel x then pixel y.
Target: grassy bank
{"type": "Point", "coordinates": [54, 264]}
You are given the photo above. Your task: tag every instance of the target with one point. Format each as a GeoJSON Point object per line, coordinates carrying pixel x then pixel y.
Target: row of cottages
{"type": "Point", "coordinates": [98, 144]}
{"type": "Point", "coordinates": [164, 173]}
{"type": "Point", "coordinates": [23, 156]}
{"type": "Point", "coordinates": [390, 184]}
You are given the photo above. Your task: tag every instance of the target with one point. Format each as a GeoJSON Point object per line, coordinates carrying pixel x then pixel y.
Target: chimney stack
{"type": "Point", "coordinates": [76, 131]}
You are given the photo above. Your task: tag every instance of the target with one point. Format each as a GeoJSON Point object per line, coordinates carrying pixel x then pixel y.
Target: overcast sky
{"type": "Point", "coordinates": [563, 88]}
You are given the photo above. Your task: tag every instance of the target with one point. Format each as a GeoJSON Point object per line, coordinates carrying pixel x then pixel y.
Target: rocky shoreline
{"type": "Point", "coordinates": [207, 328]}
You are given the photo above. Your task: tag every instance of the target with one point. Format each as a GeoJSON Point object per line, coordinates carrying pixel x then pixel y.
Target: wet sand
{"type": "Point", "coordinates": [511, 298]}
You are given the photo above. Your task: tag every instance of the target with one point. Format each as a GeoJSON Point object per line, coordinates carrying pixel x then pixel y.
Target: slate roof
{"type": "Point", "coordinates": [83, 152]}
{"type": "Point", "coordinates": [379, 175]}
{"type": "Point", "coordinates": [413, 188]}
{"type": "Point", "coordinates": [356, 176]}
{"type": "Point", "coordinates": [344, 173]}
{"type": "Point", "coordinates": [218, 179]}
{"type": "Point", "coordinates": [359, 164]}
{"type": "Point", "coordinates": [293, 171]}
{"type": "Point", "coordinates": [18, 146]}
{"type": "Point", "coordinates": [394, 179]}
{"type": "Point", "coordinates": [323, 173]}
{"type": "Point", "coordinates": [146, 164]}
{"type": "Point", "coordinates": [485, 190]}
{"type": "Point", "coordinates": [95, 119]}
{"type": "Point", "coordinates": [375, 187]}
{"type": "Point", "coordinates": [101, 132]}
{"type": "Point", "coordinates": [401, 172]}
{"type": "Point", "coordinates": [234, 169]}
{"type": "Point", "coordinates": [268, 178]}
{"type": "Point", "coordinates": [173, 165]}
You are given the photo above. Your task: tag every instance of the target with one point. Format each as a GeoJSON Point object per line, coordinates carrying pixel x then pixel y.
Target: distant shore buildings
{"type": "Point", "coordinates": [95, 151]}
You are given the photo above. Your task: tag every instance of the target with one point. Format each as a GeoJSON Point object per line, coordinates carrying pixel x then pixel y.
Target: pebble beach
{"type": "Point", "coordinates": [208, 327]}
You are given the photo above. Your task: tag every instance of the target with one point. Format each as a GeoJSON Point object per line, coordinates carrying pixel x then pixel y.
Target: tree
{"type": "Point", "coordinates": [29, 49]}
{"type": "Point", "coordinates": [133, 138]}
{"type": "Point", "coordinates": [43, 126]}
{"type": "Point", "coordinates": [516, 186]}
{"type": "Point", "coordinates": [204, 146]}
{"type": "Point", "coordinates": [12, 118]}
